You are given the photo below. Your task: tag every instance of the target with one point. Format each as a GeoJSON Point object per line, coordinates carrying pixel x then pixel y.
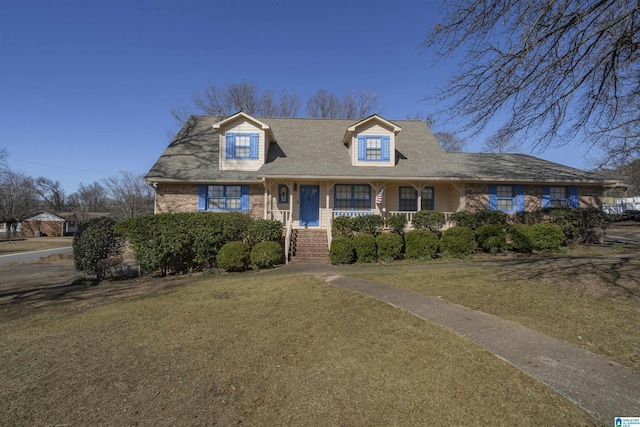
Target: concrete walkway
{"type": "Point", "coordinates": [599, 386]}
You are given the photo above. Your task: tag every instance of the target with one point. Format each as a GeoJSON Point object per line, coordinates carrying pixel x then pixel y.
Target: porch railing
{"type": "Point", "coordinates": [283, 216]}
{"type": "Point", "coordinates": [287, 239]}
{"type": "Point", "coordinates": [335, 214]}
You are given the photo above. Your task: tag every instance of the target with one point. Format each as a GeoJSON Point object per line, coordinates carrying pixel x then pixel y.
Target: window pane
{"type": "Point", "coordinates": [505, 204]}
{"type": "Point", "coordinates": [342, 205]}
{"type": "Point", "coordinates": [374, 148]}
{"type": "Point", "coordinates": [243, 142]}
{"type": "Point", "coordinates": [361, 192]}
{"type": "Point", "coordinates": [408, 199]}
{"type": "Point", "coordinates": [216, 204]}
{"type": "Point", "coordinates": [233, 191]}
{"type": "Point", "coordinates": [216, 191]}
{"type": "Point", "coordinates": [505, 191]}
{"type": "Point", "coordinates": [343, 192]}
{"type": "Point", "coordinates": [233, 203]}
{"type": "Point", "coordinates": [427, 199]}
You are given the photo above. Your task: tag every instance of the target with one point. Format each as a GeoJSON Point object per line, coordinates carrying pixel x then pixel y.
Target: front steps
{"type": "Point", "coordinates": [309, 246]}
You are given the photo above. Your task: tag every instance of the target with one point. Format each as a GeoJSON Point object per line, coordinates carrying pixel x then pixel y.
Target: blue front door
{"type": "Point", "coordinates": [309, 205]}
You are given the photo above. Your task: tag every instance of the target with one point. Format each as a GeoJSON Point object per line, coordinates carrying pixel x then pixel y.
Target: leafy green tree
{"type": "Point", "coordinates": [97, 247]}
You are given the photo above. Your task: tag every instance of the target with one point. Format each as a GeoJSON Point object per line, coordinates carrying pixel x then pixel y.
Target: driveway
{"type": "Point", "coordinates": [30, 256]}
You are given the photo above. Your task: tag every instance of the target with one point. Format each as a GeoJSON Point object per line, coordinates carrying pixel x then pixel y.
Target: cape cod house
{"type": "Point", "coordinates": [305, 172]}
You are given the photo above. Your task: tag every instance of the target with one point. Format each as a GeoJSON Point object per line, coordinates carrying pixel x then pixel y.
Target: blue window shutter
{"type": "Point", "coordinates": [202, 198]}
{"type": "Point", "coordinates": [386, 148]}
{"type": "Point", "coordinates": [362, 148]}
{"type": "Point", "coordinates": [519, 198]}
{"type": "Point", "coordinates": [254, 147]}
{"type": "Point", "coordinates": [244, 200]}
{"type": "Point", "coordinates": [231, 140]}
{"type": "Point", "coordinates": [573, 197]}
{"type": "Point", "coordinates": [493, 197]}
{"type": "Point", "coordinates": [546, 196]}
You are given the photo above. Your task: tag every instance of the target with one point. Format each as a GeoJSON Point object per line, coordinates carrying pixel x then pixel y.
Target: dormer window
{"type": "Point", "coordinates": [242, 145]}
{"type": "Point", "coordinates": [374, 148]}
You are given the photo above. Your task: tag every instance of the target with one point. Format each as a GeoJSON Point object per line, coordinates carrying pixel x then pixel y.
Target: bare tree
{"type": "Point", "coordinates": [4, 156]}
{"type": "Point", "coordinates": [357, 105]}
{"type": "Point", "coordinates": [88, 198]}
{"type": "Point", "coordinates": [499, 143]}
{"type": "Point", "coordinates": [17, 198]}
{"type": "Point", "coordinates": [553, 68]}
{"type": "Point", "coordinates": [130, 195]}
{"type": "Point", "coordinates": [450, 142]}
{"type": "Point", "coordinates": [324, 105]}
{"type": "Point", "coordinates": [289, 104]}
{"type": "Point", "coordinates": [51, 192]}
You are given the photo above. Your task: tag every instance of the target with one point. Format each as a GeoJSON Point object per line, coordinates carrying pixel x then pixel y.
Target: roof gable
{"type": "Point", "coordinates": [240, 115]}
{"type": "Point", "coordinates": [351, 130]}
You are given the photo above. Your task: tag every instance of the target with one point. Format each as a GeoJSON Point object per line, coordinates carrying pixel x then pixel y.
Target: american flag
{"type": "Point", "coordinates": [379, 197]}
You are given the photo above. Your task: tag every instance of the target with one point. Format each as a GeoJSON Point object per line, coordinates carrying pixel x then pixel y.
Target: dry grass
{"type": "Point", "coordinates": [258, 350]}
{"type": "Point", "coordinates": [34, 244]}
{"type": "Point", "coordinates": [595, 305]}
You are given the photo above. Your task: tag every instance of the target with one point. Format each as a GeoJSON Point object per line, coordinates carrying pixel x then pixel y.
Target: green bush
{"type": "Point", "coordinates": [458, 242]}
{"type": "Point", "coordinates": [234, 256]}
{"type": "Point", "coordinates": [520, 238]}
{"type": "Point", "coordinates": [266, 254]}
{"type": "Point", "coordinates": [594, 225]}
{"type": "Point", "coordinates": [390, 246]}
{"type": "Point", "coordinates": [464, 219]}
{"type": "Point", "coordinates": [97, 247]}
{"type": "Point", "coordinates": [182, 241]}
{"type": "Point", "coordinates": [365, 247]}
{"type": "Point", "coordinates": [265, 230]}
{"type": "Point", "coordinates": [370, 224]}
{"type": "Point", "coordinates": [420, 244]}
{"type": "Point", "coordinates": [397, 223]}
{"type": "Point", "coordinates": [569, 219]}
{"type": "Point", "coordinates": [546, 237]}
{"type": "Point", "coordinates": [341, 251]}
{"type": "Point", "coordinates": [428, 220]}
{"type": "Point", "coordinates": [486, 217]}
{"type": "Point", "coordinates": [342, 226]}
{"type": "Point", "coordinates": [491, 238]}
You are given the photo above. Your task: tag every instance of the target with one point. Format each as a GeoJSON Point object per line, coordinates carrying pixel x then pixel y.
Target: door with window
{"type": "Point", "coordinates": [309, 205]}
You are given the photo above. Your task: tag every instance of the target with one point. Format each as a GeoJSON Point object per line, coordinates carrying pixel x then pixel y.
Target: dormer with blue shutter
{"type": "Point", "coordinates": [372, 142]}
{"type": "Point", "coordinates": [244, 142]}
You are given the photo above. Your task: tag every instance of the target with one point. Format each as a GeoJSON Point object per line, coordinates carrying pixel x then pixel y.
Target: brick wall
{"type": "Point", "coordinates": [477, 197]}
{"type": "Point", "coordinates": [46, 228]}
{"type": "Point", "coordinates": [590, 196]}
{"type": "Point", "coordinates": [171, 198]}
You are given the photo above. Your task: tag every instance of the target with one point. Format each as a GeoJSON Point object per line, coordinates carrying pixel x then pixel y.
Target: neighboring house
{"type": "Point", "coordinates": [16, 230]}
{"type": "Point", "coordinates": [42, 223]}
{"type": "Point", "coordinates": [305, 172]}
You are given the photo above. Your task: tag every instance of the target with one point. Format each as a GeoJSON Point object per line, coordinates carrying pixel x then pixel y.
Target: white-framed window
{"type": "Point", "coordinates": [505, 196]}
{"type": "Point", "coordinates": [242, 146]}
{"type": "Point", "coordinates": [374, 148]}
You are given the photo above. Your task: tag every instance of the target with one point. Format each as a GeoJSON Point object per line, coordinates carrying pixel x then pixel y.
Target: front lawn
{"type": "Point", "coordinates": [258, 350]}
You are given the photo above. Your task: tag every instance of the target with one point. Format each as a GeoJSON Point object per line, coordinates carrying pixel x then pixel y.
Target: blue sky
{"type": "Point", "coordinates": [86, 86]}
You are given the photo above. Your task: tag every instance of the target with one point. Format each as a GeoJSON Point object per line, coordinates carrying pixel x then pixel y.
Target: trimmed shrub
{"type": "Point", "coordinates": [370, 224]}
{"type": "Point", "coordinates": [397, 223]}
{"type": "Point", "coordinates": [520, 238]}
{"type": "Point", "coordinates": [569, 219]}
{"type": "Point", "coordinates": [365, 247]}
{"type": "Point", "coordinates": [491, 238]}
{"type": "Point", "coordinates": [235, 226]}
{"type": "Point", "coordinates": [266, 254]}
{"type": "Point", "coordinates": [341, 251]}
{"type": "Point", "coordinates": [464, 219]}
{"type": "Point", "coordinates": [594, 225]}
{"type": "Point", "coordinates": [96, 247]}
{"type": "Point", "coordinates": [428, 220]}
{"type": "Point", "coordinates": [485, 217]}
{"type": "Point", "coordinates": [546, 237]}
{"type": "Point", "coordinates": [458, 242]}
{"type": "Point", "coordinates": [420, 244]}
{"type": "Point", "coordinates": [389, 246]}
{"type": "Point", "coordinates": [234, 256]}
{"type": "Point", "coordinates": [342, 226]}
{"type": "Point", "coordinates": [265, 230]}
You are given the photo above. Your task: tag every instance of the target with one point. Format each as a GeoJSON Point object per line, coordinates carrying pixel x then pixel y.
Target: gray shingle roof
{"type": "Point", "coordinates": [313, 148]}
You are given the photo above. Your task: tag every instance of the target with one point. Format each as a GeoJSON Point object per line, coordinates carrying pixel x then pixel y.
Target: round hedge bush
{"type": "Point", "coordinates": [341, 251]}
{"type": "Point", "coordinates": [266, 254]}
{"type": "Point", "coordinates": [421, 244]}
{"type": "Point", "coordinates": [520, 238]}
{"type": "Point", "coordinates": [491, 238]}
{"type": "Point", "coordinates": [264, 230]}
{"type": "Point", "coordinates": [546, 237]}
{"type": "Point", "coordinates": [397, 223]}
{"type": "Point", "coordinates": [365, 247]}
{"type": "Point", "coordinates": [458, 242]}
{"type": "Point", "coordinates": [234, 256]}
{"type": "Point", "coordinates": [428, 220]}
{"type": "Point", "coordinates": [389, 246]}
